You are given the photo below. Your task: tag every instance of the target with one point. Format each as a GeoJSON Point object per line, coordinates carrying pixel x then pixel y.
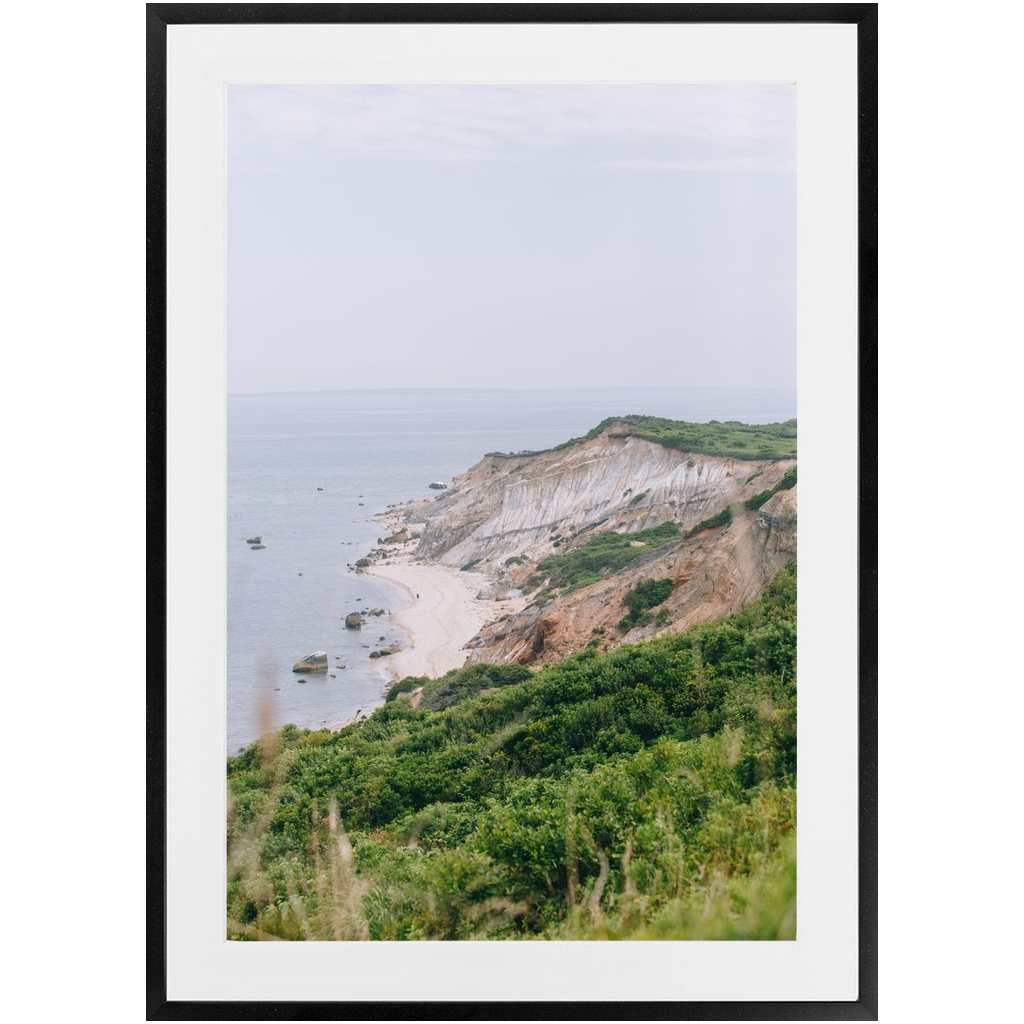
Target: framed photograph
{"type": "Point", "coordinates": [485, 343]}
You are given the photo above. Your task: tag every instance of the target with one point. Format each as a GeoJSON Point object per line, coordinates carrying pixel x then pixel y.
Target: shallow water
{"type": "Point", "coordinates": [368, 449]}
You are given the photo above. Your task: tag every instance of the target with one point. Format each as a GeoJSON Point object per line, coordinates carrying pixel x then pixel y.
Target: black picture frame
{"type": "Point", "coordinates": [865, 17]}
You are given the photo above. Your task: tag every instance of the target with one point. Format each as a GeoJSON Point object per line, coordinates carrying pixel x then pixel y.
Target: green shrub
{"type": "Point", "coordinates": [406, 685]}
{"type": "Point", "coordinates": [741, 440]}
{"type": "Point", "coordinates": [648, 792]}
{"type": "Point", "coordinates": [787, 482]}
{"type": "Point", "coordinates": [462, 683]}
{"type": "Point", "coordinates": [646, 594]}
{"type": "Point", "coordinates": [722, 518]}
{"type": "Point", "coordinates": [602, 556]}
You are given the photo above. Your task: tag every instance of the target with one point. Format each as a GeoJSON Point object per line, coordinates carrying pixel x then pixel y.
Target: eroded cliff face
{"type": "Point", "coordinates": [714, 573]}
{"type": "Point", "coordinates": [506, 507]}
{"type": "Point", "coordinates": [506, 514]}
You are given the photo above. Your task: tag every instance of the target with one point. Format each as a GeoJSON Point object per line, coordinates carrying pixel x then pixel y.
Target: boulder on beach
{"type": "Point", "coordinates": [315, 662]}
{"type": "Point", "coordinates": [376, 611]}
{"type": "Point", "coordinates": [362, 563]}
{"type": "Point", "coordinates": [353, 620]}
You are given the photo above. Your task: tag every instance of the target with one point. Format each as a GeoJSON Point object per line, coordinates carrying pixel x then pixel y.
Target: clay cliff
{"type": "Point", "coordinates": [510, 516]}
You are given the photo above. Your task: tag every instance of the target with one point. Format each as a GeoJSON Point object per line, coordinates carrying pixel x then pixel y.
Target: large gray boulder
{"type": "Point", "coordinates": [315, 662]}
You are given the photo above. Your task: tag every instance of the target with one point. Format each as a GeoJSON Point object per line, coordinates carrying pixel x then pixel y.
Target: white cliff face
{"type": "Point", "coordinates": [519, 507]}
{"type": "Point", "coordinates": [507, 514]}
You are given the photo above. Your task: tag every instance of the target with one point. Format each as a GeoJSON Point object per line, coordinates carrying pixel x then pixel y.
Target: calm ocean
{"type": "Point", "coordinates": [366, 450]}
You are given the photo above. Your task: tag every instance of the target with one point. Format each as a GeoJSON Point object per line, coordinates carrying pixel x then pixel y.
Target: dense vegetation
{"type": "Point", "coordinates": [644, 793]}
{"type": "Point", "coordinates": [459, 684]}
{"type": "Point", "coordinates": [601, 556]}
{"type": "Point", "coordinates": [723, 518]}
{"type": "Point", "coordinates": [739, 440]}
{"type": "Point", "coordinates": [640, 599]}
{"type": "Point", "coordinates": [787, 482]}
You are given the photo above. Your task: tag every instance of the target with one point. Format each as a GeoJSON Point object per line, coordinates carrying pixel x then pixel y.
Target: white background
{"type": "Point", "coordinates": [73, 406]}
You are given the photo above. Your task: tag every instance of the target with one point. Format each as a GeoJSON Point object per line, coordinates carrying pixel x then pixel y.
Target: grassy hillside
{"type": "Point", "coordinates": [645, 793]}
{"type": "Point", "coordinates": [601, 556]}
{"type": "Point", "coordinates": [731, 439]}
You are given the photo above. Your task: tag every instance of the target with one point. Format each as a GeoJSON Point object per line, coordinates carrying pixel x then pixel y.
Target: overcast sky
{"type": "Point", "coordinates": [511, 236]}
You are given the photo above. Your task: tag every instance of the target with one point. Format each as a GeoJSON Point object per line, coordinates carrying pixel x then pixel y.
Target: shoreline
{"type": "Point", "coordinates": [440, 620]}
{"type": "Point", "coordinates": [442, 613]}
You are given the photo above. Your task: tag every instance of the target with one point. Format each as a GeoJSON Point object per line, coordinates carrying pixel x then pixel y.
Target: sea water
{"type": "Point", "coordinates": [307, 472]}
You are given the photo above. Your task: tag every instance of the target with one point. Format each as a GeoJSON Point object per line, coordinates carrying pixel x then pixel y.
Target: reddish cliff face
{"type": "Point", "coordinates": [713, 573]}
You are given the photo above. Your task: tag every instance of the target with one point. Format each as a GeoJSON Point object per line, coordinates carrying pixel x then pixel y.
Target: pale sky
{"type": "Point", "coordinates": [511, 236]}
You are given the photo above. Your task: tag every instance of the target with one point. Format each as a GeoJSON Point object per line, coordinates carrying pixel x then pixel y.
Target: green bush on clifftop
{"type": "Point", "coordinates": [738, 440]}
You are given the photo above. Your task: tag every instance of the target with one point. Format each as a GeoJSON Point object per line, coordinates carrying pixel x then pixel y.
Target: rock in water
{"type": "Point", "coordinates": [254, 540]}
{"type": "Point", "coordinates": [353, 620]}
{"type": "Point", "coordinates": [315, 662]}
{"type": "Point", "coordinates": [437, 485]}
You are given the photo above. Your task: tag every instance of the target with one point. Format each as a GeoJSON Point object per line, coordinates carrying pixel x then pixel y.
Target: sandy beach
{"type": "Point", "coordinates": [440, 620]}
{"type": "Point", "coordinates": [437, 622]}
{"type": "Point", "coordinates": [442, 612]}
